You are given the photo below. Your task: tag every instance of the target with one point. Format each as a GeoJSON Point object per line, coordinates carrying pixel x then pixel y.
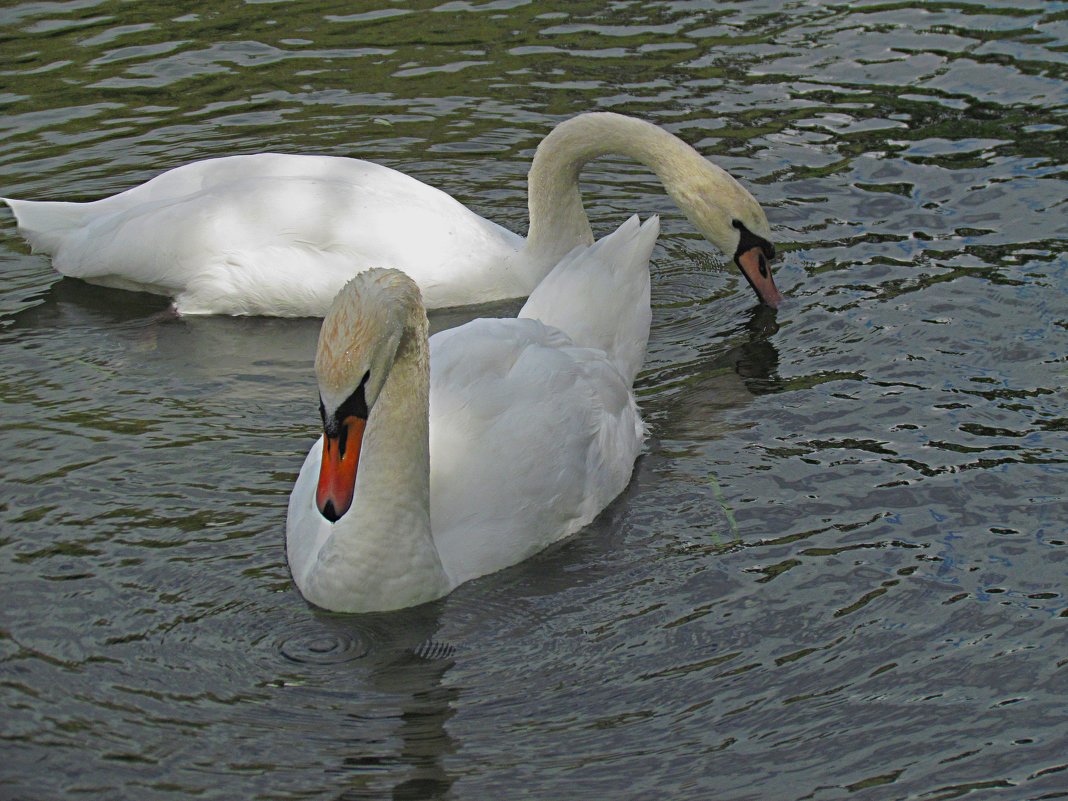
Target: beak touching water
{"type": "Point", "coordinates": [754, 265]}
{"type": "Point", "coordinates": [753, 257]}
{"type": "Point", "coordinates": [337, 473]}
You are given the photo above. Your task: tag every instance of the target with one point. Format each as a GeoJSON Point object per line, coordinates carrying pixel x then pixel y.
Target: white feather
{"type": "Point", "coordinates": [280, 234]}
{"type": "Point", "coordinates": [529, 431]}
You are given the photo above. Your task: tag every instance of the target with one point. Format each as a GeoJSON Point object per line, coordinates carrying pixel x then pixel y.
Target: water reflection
{"type": "Point", "coordinates": [381, 679]}
{"type": "Point", "coordinates": [424, 740]}
{"type": "Point", "coordinates": [72, 304]}
{"type": "Point", "coordinates": [698, 396]}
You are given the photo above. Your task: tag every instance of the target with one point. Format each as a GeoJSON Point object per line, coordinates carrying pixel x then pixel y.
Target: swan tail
{"type": "Point", "coordinates": [599, 295]}
{"type": "Point", "coordinates": [46, 223]}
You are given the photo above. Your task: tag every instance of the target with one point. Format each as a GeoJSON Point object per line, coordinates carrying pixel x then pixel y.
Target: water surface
{"type": "Point", "coordinates": [841, 567]}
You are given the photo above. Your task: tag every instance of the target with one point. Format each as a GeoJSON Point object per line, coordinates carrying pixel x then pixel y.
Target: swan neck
{"type": "Point", "coordinates": [387, 532]}
{"type": "Point", "coordinates": [558, 222]}
{"type": "Point", "coordinates": [397, 437]}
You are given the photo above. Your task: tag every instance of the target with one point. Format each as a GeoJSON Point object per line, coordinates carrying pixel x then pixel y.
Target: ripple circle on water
{"type": "Point", "coordinates": [322, 648]}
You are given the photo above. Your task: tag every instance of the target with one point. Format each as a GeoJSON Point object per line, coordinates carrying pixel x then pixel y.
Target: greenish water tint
{"type": "Point", "coordinates": [842, 565]}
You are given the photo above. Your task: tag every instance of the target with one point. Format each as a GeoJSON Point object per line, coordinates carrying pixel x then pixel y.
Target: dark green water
{"type": "Point", "coordinates": [842, 566]}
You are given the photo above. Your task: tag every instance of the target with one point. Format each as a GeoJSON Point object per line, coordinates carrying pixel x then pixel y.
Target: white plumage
{"type": "Point", "coordinates": [483, 445]}
{"type": "Point", "coordinates": [280, 234]}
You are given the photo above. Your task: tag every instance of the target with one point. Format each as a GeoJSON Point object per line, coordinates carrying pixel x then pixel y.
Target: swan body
{"type": "Point", "coordinates": [446, 459]}
{"type": "Point", "coordinates": [277, 234]}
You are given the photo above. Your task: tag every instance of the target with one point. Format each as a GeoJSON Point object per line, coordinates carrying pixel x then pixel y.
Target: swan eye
{"type": "Point", "coordinates": [747, 240]}
{"type": "Point", "coordinates": [355, 405]}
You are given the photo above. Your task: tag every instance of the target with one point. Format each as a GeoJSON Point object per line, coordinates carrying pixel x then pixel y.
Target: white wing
{"type": "Point", "coordinates": [275, 234]}
{"type": "Point", "coordinates": [530, 437]}
{"type": "Point", "coordinates": [599, 295]}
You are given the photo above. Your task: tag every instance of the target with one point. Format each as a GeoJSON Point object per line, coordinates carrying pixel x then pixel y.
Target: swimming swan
{"type": "Point", "coordinates": [450, 458]}
{"type": "Point", "coordinates": [277, 234]}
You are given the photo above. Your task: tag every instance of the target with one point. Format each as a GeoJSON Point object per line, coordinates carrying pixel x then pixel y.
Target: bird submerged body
{"type": "Point", "coordinates": [278, 234]}
{"type": "Point", "coordinates": [480, 446]}
{"type": "Point", "coordinates": [274, 234]}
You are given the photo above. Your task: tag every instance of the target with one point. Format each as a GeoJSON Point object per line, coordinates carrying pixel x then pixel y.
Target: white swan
{"type": "Point", "coordinates": [281, 234]}
{"type": "Point", "coordinates": [450, 458]}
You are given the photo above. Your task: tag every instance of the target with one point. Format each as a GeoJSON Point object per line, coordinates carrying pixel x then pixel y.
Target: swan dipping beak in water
{"type": "Point", "coordinates": [278, 234]}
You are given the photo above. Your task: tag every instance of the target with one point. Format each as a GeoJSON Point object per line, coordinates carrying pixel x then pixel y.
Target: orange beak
{"type": "Point", "coordinates": [755, 268]}
{"type": "Point", "coordinates": [337, 473]}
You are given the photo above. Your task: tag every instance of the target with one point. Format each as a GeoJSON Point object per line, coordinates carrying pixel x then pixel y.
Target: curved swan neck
{"type": "Point", "coordinates": [711, 199]}
{"type": "Point", "coordinates": [394, 473]}
{"type": "Point", "coordinates": [558, 222]}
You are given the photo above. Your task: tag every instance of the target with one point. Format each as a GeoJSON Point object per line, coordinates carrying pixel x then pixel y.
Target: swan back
{"type": "Point", "coordinates": [531, 437]}
{"type": "Point", "coordinates": [276, 234]}
{"type": "Point", "coordinates": [279, 234]}
{"type": "Point", "coordinates": [515, 437]}
{"type": "Point", "coordinates": [599, 296]}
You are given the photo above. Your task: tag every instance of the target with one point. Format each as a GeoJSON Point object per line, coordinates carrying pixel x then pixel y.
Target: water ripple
{"type": "Point", "coordinates": [317, 649]}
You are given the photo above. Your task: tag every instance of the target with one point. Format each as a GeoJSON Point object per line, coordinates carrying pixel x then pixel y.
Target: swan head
{"type": "Point", "coordinates": [358, 344]}
{"type": "Point", "coordinates": [732, 220]}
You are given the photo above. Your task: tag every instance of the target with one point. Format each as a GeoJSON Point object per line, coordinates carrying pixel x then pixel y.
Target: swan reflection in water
{"type": "Point", "coordinates": [742, 365]}
{"type": "Point", "coordinates": [384, 673]}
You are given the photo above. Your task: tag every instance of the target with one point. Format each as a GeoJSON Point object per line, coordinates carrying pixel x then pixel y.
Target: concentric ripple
{"type": "Point", "coordinates": [323, 649]}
